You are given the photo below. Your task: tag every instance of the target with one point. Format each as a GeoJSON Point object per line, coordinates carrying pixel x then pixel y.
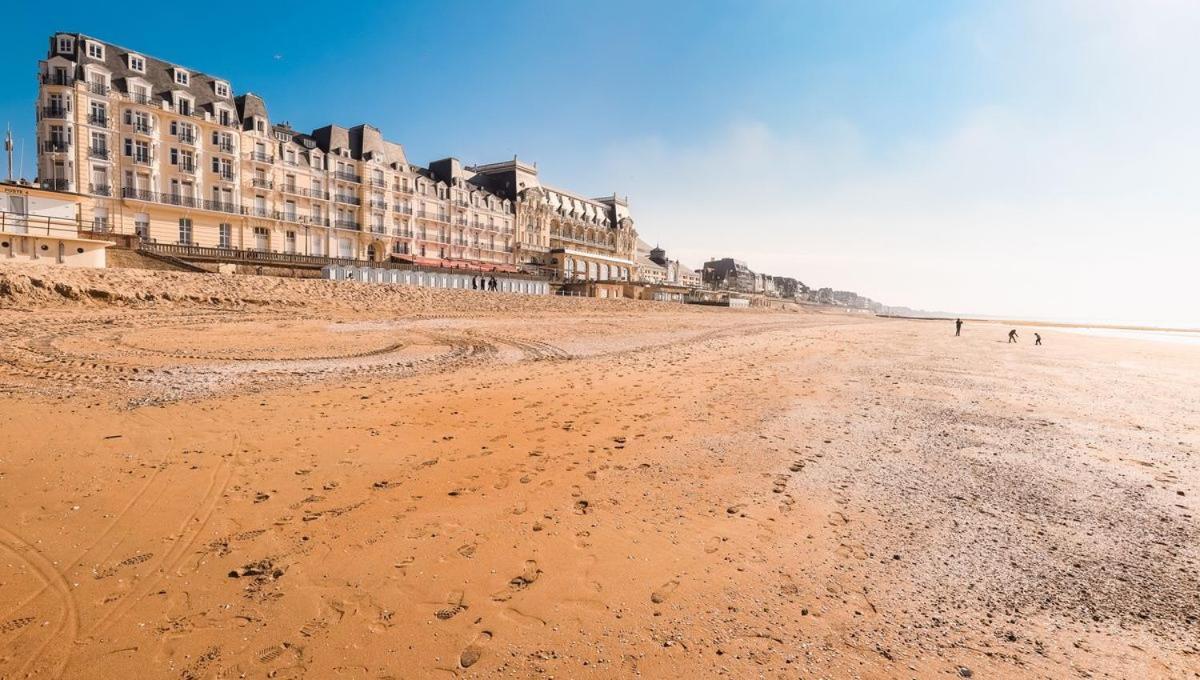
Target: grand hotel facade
{"type": "Point", "coordinates": [169, 155]}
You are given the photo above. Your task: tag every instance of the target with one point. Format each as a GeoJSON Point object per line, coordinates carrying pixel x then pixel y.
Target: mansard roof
{"type": "Point", "coordinates": [160, 74]}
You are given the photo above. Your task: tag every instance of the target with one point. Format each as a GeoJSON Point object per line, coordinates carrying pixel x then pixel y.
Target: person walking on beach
{"type": "Point", "coordinates": [957, 327]}
{"type": "Point", "coordinates": [1037, 338]}
{"type": "Point", "coordinates": [494, 284]}
{"type": "Point", "coordinates": [1012, 335]}
{"type": "Point", "coordinates": [474, 283]}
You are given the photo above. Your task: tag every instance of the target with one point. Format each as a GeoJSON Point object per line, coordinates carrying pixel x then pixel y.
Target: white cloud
{"type": "Point", "coordinates": [1070, 193]}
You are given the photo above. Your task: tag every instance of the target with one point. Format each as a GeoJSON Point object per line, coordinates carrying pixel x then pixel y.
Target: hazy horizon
{"type": "Point", "coordinates": [1023, 159]}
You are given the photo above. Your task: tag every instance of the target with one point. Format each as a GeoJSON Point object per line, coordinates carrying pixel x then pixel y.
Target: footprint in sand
{"type": "Point", "coordinates": [15, 624]}
{"type": "Point", "coordinates": [528, 575]}
{"type": "Point", "coordinates": [473, 652]}
{"type": "Point", "coordinates": [659, 596]}
{"type": "Point", "coordinates": [455, 600]}
{"type": "Point", "coordinates": [269, 654]}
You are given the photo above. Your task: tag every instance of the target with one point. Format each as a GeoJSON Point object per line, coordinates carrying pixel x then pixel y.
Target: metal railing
{"type": "Point", "coordinates": [57, 79]}
{"type": "Point", "coordinates": [98, 88]}
{"type": "Point", "coordinates": [58, 184]}
{"type": "Point", "coordinates": [225, 147]}
{"type": "Point", "coordinates": [18, 223]}
{"type": "Point", "coordinates": [54, 112]}
{"type": "Point", "coordinates": [100, 189]}
{"type": "Point", "coordinates": [55, 146]}
{"type": "Point", "coordinates": [262, 183]}
{"type": "Point", "coordinates": [97, 120]}
{"type": "Point", "coordinates": [261, 157]}
{"type": "Point", "coordinates": [148, 196]}
{"type": "Point", "coordinates": [344, 198]}
{"type": "Point", "coordinates": [382, 205]}
{"type": "Point", "coordinates": [186, 136]}
{"type": "Point", "coordinates": [99, 152]}
{"type": "Point", "coordinates": [347, 224]}
{"type": "Point", "coordinates": [347, 176]}
{"type": "Point", "coordinates": [403, 209]}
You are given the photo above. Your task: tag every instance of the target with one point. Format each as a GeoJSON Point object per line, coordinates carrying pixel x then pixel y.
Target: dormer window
{"type": "Point", "coordinates": [137, 63]}
{"type": "Point", "coordinates": [184, 105]}
{"type": "Point", "coordinates": [95, 50]}
{"type": "Point", "coordinates": [221, 88]}
{"type": "Point", "coordinates": [66, 44]}
{"type": "Point", "coordinates": [181, 77]}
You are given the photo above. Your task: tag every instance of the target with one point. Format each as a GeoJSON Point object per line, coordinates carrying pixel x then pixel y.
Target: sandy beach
{"type": "Point", "coordinates": [217, 477]}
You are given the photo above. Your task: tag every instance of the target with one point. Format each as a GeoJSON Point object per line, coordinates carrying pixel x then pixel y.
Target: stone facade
{"type": "Point", "coordinates": [172, 155]}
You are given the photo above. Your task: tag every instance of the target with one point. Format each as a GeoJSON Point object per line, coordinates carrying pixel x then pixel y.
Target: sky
{"type": "Point", "coordinates": [1033, 159]}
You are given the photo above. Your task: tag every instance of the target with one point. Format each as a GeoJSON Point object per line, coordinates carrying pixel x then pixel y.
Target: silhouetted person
{"type": "Point", "coordinates": [495, 285]}
{"type": "Point", "coordinates": [1037, 338]}
{"type": "Point", "coordinates": [1012, 335]}
{"type": "Point", "coordinates": [474, 283]}
{"type": "Point", "coordinates": [957, 327]}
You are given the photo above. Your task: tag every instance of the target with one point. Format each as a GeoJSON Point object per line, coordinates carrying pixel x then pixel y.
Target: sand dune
{"type": "Point", "coordinates": [208, 477]}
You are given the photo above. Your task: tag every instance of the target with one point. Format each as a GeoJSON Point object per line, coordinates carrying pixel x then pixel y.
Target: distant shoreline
{"type": "Point", "coordinates": [1049, 324]}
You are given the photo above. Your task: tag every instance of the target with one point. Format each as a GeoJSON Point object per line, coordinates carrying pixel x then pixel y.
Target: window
{"type": "Point", "coordinates": [222, 89]}
{"type": "Point", "coordinates": [95, 50]}
{"type": "Point", "coordinates": [174, 156]}
{"type": "Point", "coordinates": [290, 242]}
{"type": "Point", "coordinates": [224, 117]}
{"type": "Point", "coordinates": [136, 63]}
{"type": "Point", "coordinates": [99, 114]}
{"type": "Point", "coordinates": [224, 235]}
{"type": "Point", "coordinates": [185, 230]}
{"type": "Point", "coordinates": [66, 44]}
{"type": "Point", "coordinates": [181, 77]}
{"type": "Point", "coordinates": [183, 105]}
{"type": "Point", "coordinates": [141, 225]}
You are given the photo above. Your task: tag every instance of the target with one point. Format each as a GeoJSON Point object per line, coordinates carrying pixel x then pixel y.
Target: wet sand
{"type": "Point", "coordinates": [200, 490]}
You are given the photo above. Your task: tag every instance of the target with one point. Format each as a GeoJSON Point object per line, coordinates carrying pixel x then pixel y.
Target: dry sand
{"type": "Point", "coordinates": [261, 478]}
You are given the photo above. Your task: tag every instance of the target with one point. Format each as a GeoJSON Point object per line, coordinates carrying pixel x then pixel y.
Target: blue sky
{"type": "Point", "coordinates": [970, 156]}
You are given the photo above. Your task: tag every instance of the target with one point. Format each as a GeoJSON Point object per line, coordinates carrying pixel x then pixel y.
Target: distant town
{"type": "Point", "coordinates": [146, 163]}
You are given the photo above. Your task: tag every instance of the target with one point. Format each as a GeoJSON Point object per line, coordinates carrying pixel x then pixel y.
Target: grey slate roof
{"type": "Point", "coordinates": [159, 73]}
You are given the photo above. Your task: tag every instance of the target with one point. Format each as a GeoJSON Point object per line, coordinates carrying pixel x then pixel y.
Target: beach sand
{"type": "Point", "coordinates": [253, 478]}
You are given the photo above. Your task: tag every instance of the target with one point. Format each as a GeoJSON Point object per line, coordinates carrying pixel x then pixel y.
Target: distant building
{"type": "Point", "coordinates": [730, 274]}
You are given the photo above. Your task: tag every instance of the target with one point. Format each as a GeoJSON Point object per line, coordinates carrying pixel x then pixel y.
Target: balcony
{"type": "Point", "coordinates": [378, 204]}
{"type": "Point", "coordinates": [181, 200]}
{"type": "Point", "coordinates": [54, 112]}
{"type": "Point", "coordinates": [403, 209]}
{"type": "Point", "coordinates": [138, 98]}
{"type": "Point", "coordinates": [347, 224]}
{"type": "Point", "coordinates": [186, 136]}
{"type": "Point", "coordinates": [98, 120]}
{"type": "Point", "coordinates": [225, 176]}
{"type": "Point", "coordinates": [57, 79]}
{"type": "Point", "coordinates": [261, 157]}
{"type": "Point", "coordinates": [262, 183]}
{"type": "Point", "coordinates": [187, 167]}
{"type": "Point", "coordinates": [98, 88]}
{"type": "Point", "coordinates": [175, 199]}
{"type": "Point", "coordinates": [55, 146]}
{"type": "Point", "coordinates": [225, 147]}
{"type": "Point", "coordinates": [256, 211]}
{"type": "Point", "coordinates": [100, 190]}
{"type": "Point", "coordinates": [99, 152]}
{"type": "Point", "coordinates": [142, 160]}
{"type": "Point", "coordinates": [56, 184]}
{"type": "Point", "coordinates": [347, 176]}
{"type": "Point", "coordinates": [426, 215]}
{"type": "Point", "coordinates": [402, 190]}
{"type": "Point", "coordinates": [142, 128]}
{"type": "Point", "coordinates": [220, 206]}
{"type": "Point", "coordinates": [345, 198]}
{"type": "Point", "coordinates": [377, 183]}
